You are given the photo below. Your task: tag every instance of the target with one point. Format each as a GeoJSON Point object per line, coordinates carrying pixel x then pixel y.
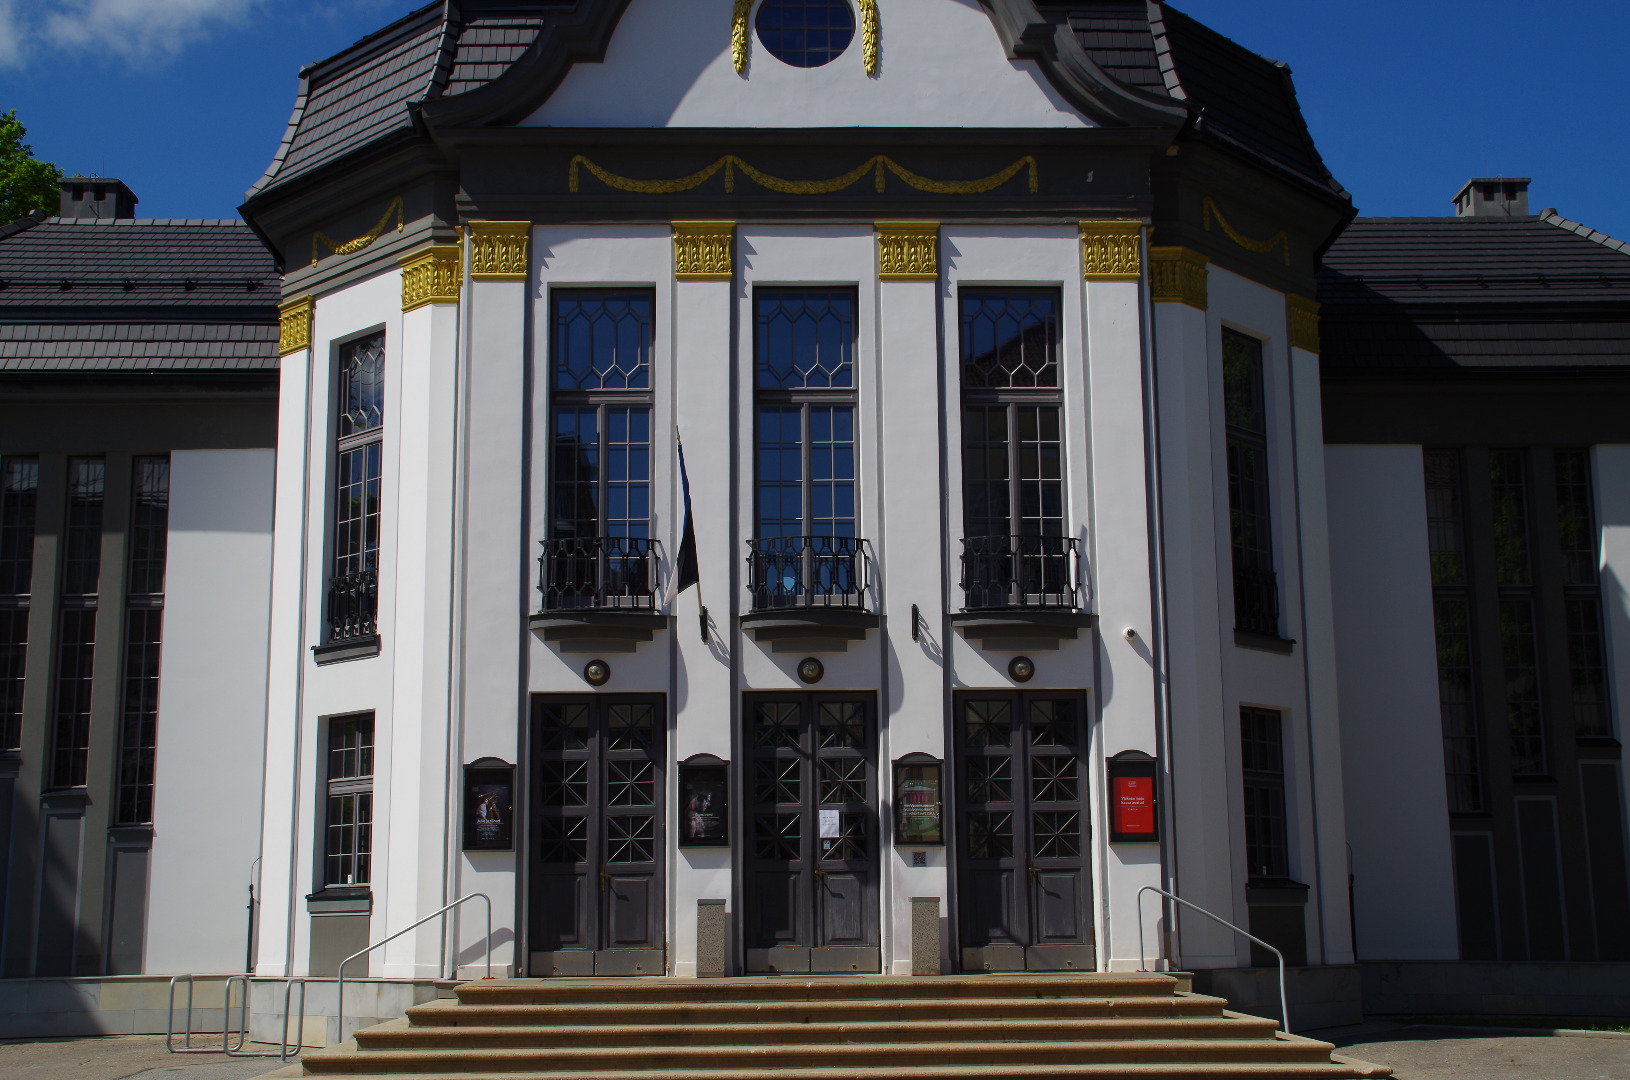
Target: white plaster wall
{"type": "Point", "coordinates": [1610, 468]}
{"type": "Point", "coordinates": [1391, 731]}
{"type": "Point", "coordinates": [211, 709]}
{"type": "Point", "coordinates": [941, 65]}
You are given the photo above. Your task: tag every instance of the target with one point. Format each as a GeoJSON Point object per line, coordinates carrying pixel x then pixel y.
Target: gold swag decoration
{"type": "Point", "coordinates": [879, 166]}
{"type": "Point", "coordinates": [741, 45]}
{"type": "Point", "coordinates": [351, 247]}
{"type": "Point", "coordinates": [1260, 247]}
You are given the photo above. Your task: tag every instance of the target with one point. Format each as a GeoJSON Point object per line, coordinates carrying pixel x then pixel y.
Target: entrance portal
{"type": "Point", "coordinates": [809, 878]}
{"type": "Point", "coordinates": [1024, 886]}
{"type": "Point", "coordinates": [595, 842]}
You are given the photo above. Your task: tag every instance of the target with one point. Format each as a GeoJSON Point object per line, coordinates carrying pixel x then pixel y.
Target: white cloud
{"type": "Point", "coordinates": [133, 29]}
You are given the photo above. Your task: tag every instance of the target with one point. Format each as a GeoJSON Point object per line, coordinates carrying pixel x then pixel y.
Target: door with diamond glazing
{"type": "Point", "coordinates": [1024, 885]}
{"type": "Point", "coordinates": [595, 841]}
{"type": "Point", "coordinates": [810, 871]}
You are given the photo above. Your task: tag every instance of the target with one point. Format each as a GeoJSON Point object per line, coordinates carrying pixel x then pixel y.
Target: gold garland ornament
{"type": "Point", "coordinates": [868, 35]}
{"type": "Point", "coordinates": [351, 247]}
{"type": "Point", "coordinates": [1260, 247]}
{"type": "Point", "coordinates": [739, 41]}
{"type": "Point", "coordinates": [876, 165]}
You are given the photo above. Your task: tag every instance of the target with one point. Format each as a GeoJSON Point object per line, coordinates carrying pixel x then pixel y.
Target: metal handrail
{"type": "Point", "coordinates": [1143, 956]}
{"type": "Point", "coordinates": [339, 981]}
{"type": "Point", "coordinates": [284, 1050]}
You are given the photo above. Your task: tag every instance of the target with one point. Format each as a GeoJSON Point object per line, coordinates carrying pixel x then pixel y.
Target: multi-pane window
{"type": "Point", "coordinates": [1576, 534]}
{"type": "Point", "coordinates": [19, 496]}
{"type": "Point", "coordinates": [805, 547]}
{"type": "Point", "coordinates": [359, 471]}
{"type": "Point", "coordinates": [1519, 657]}
{"type": "Point", "coordinates": [144, 635]}
{"type": "Point", "coordinates": [1262, 760]}
{"type": "Point", "coordinates": [1015, 540]}
{"type": "Point", "coordinates": [76, 639]}
{"type": "Point", "coordinates": [1462, 756]}
{"type": "Point", "coordinates": [1250, 525]}
{"type": "Point", "coordinates": [599, 546]}
{"type": "Point", "coordinates": [349, 844]}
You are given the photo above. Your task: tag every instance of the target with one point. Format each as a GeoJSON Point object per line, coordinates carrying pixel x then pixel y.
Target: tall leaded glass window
{"type": "Point", "coordinates": [76, 639]}
{"type": "Point", "coordinates": [1262, 759]}
{"type": "Point", "coordinates": [1576, 534]}
{"type": "Point", "coordinates": [348, 851]}
{"type": "Point", "coordinates": [1519, 652]}
{"type": "Point", "coordinates": [144, 635]}
{"type": "Point", "coordinates": [1462, 756]}
{"type": "Point", "coordinates": [359, 472]}
{"type": "Point", "coordinates": [19, 496]}
{"type": "Point", "coordinates": [599, 547]}
{"type": "Point", "coordinates": [1250, 524]}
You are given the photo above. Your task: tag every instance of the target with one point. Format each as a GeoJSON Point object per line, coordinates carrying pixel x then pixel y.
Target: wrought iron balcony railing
{"type": "Point", "coordinates": [808, 572]}
{"type": "Point", "coordinates": [577, 573]}
{"type": "Point", "coordinates": [1256, 601]}
{"type": "Point", "coordinates": [1021, 572]}
{"type": "Point", "coordinates": [353, 606]}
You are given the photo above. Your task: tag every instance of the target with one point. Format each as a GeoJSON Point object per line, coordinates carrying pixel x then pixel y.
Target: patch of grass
{"type": "Point", "coordinates": [1579, 1023]}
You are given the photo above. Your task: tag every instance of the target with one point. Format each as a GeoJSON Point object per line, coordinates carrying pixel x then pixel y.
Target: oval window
{"type": "Point", "coordinates": [805, 33]}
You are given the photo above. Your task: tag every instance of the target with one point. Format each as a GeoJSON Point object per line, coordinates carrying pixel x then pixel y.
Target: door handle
{"type": "Point", "coordinates": [605, 878]}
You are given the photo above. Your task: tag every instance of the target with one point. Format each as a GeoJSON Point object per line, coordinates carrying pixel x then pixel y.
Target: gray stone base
{"type": "Point", "coordinates": [1495, 988]}
{"type": "Point", "coordinates": [1320, 996]}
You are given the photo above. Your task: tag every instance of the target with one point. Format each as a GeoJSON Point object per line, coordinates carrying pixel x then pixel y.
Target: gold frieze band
{"type": "Point", "coordinates": [498, 250]}
{"type": "Point", "coordinates": [1177, 275]}
{"type": "Point", "coordinates": [294, 326]}
{"type": "Point", "coordinates": [878, 167]}
{"type": "Point", "coordinates": [1304, 322]}
{"type": "Point", "coordinates": [702, 250]}
{"type": "Point", "coordinates": [1110, 250]}
{"type": "Point", "coordinates": [908, 250]}
{"type": "Point", "coordinates": [431, 276]}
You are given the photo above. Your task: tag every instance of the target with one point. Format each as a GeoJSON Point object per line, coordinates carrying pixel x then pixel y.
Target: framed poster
{"type": "Point", "coordinates": [489, 805]}
{"type": "Point", "coordinates": [918, 802]}
{"type": "Point", "coordinates": [704, 802]}
{"type": "Point", "coordinates": [1134, 810]}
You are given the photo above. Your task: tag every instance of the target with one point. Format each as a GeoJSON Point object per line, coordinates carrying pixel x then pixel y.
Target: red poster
{"type": "Point", "coordinates": [1134, 805]}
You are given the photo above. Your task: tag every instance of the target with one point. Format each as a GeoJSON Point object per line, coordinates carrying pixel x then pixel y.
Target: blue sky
{"type": "Point", "coordinates": [186, 100]}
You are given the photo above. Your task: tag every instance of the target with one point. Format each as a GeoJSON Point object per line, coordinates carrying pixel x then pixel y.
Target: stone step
{"type": "Point", "coordinates": [967, 1009]}
{"type": "Point", "coordinates": [580, 1061]}
{"type": "Point", "coordinates": [1338, 1069]}
{"type": "Point", "coordinates": [797, 988]}
{"type": "Point", "coordinates": [400, 1035]}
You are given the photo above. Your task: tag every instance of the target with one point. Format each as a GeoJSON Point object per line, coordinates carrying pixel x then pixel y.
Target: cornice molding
{"type": "Point", "coordinates": [908, 250]}
{"type": "Point", "coordinates": [498, 250]}
{"type": "Point", "coordinates": [1111, 250]}
{"type": "Point", "coordinates": [1303, 315]}
{"type": "Point", "coordinates": [294, 320]}
{"type": "Point", "coordinates": [1177, 275]}
{"type": "Point", "coordinates": [703, 250]}
{"type": "Point", "coordinates": [431, 276]}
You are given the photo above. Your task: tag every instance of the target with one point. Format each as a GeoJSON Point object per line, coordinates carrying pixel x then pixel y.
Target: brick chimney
{"type": "Point", "coordinates": [96, 197]}
{"type": "Point", "coordinates": [1493, 197]}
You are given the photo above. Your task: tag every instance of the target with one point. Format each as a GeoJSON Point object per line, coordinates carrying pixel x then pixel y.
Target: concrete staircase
{"type": "Point", "coordinates": [996, 1027]}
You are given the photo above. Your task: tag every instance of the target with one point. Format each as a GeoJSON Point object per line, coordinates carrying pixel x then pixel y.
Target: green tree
{"type": "Point", "coordinates": [26, 183]}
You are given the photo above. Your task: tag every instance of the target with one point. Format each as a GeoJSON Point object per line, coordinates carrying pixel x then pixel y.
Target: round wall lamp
{"type": "Point", "coordinates": [1021, 669]}
{"type": "Point", "coordinates": [597, 672]}
{"type": "Point", "coordinates": [811, 670]}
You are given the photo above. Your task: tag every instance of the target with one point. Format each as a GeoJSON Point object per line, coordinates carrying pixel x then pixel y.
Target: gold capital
{"type": "Point", "coordinates": [1109, 250]}
{"type": "Point", "coordinates": [294, 333]}
{"type": "Point", "coordinates": [1304, 322]}
{"type": "Point", "coordinates": [702, 250]}
{"type": "Point", "coordinates": [431, 276]}
{"type": "Point", "coordinates": [498, 250]}
{"type": "Point", "coordinates": [1177, 275]}
{"type": "Point", "coordinates": [908, 250]}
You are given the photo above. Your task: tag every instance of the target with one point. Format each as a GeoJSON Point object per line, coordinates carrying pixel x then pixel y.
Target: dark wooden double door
{"type": "Point", "coordinates": [1024, 882]}
{"type": "Point", "coordinates": [595, 836]}
{"type": "Point", "coordinates": [809, 875]}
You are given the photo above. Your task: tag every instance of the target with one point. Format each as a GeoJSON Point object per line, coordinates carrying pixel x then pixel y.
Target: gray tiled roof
{"type": "Point", "coordinates": [136, 295]}
{"type": "Point", "coordinates": [1425, 293]}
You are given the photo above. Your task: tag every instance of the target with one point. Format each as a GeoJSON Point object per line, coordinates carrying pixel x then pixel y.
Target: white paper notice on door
{"type": "Point", "coordinates": [829, 825]}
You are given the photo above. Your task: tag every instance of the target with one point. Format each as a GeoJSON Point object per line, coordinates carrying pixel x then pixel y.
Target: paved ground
{"type": "Point", "coordinates": [1435, 1053]}
{"type": "Point", "coordinates": [118, 1057]}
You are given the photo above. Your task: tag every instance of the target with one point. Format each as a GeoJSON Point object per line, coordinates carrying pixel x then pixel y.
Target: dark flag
{"type": "Point", "coordinates": [686, 573]}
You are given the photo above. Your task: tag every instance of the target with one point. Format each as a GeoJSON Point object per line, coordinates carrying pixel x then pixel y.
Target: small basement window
{"type": "Point", "coordinates": [806, 33]}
